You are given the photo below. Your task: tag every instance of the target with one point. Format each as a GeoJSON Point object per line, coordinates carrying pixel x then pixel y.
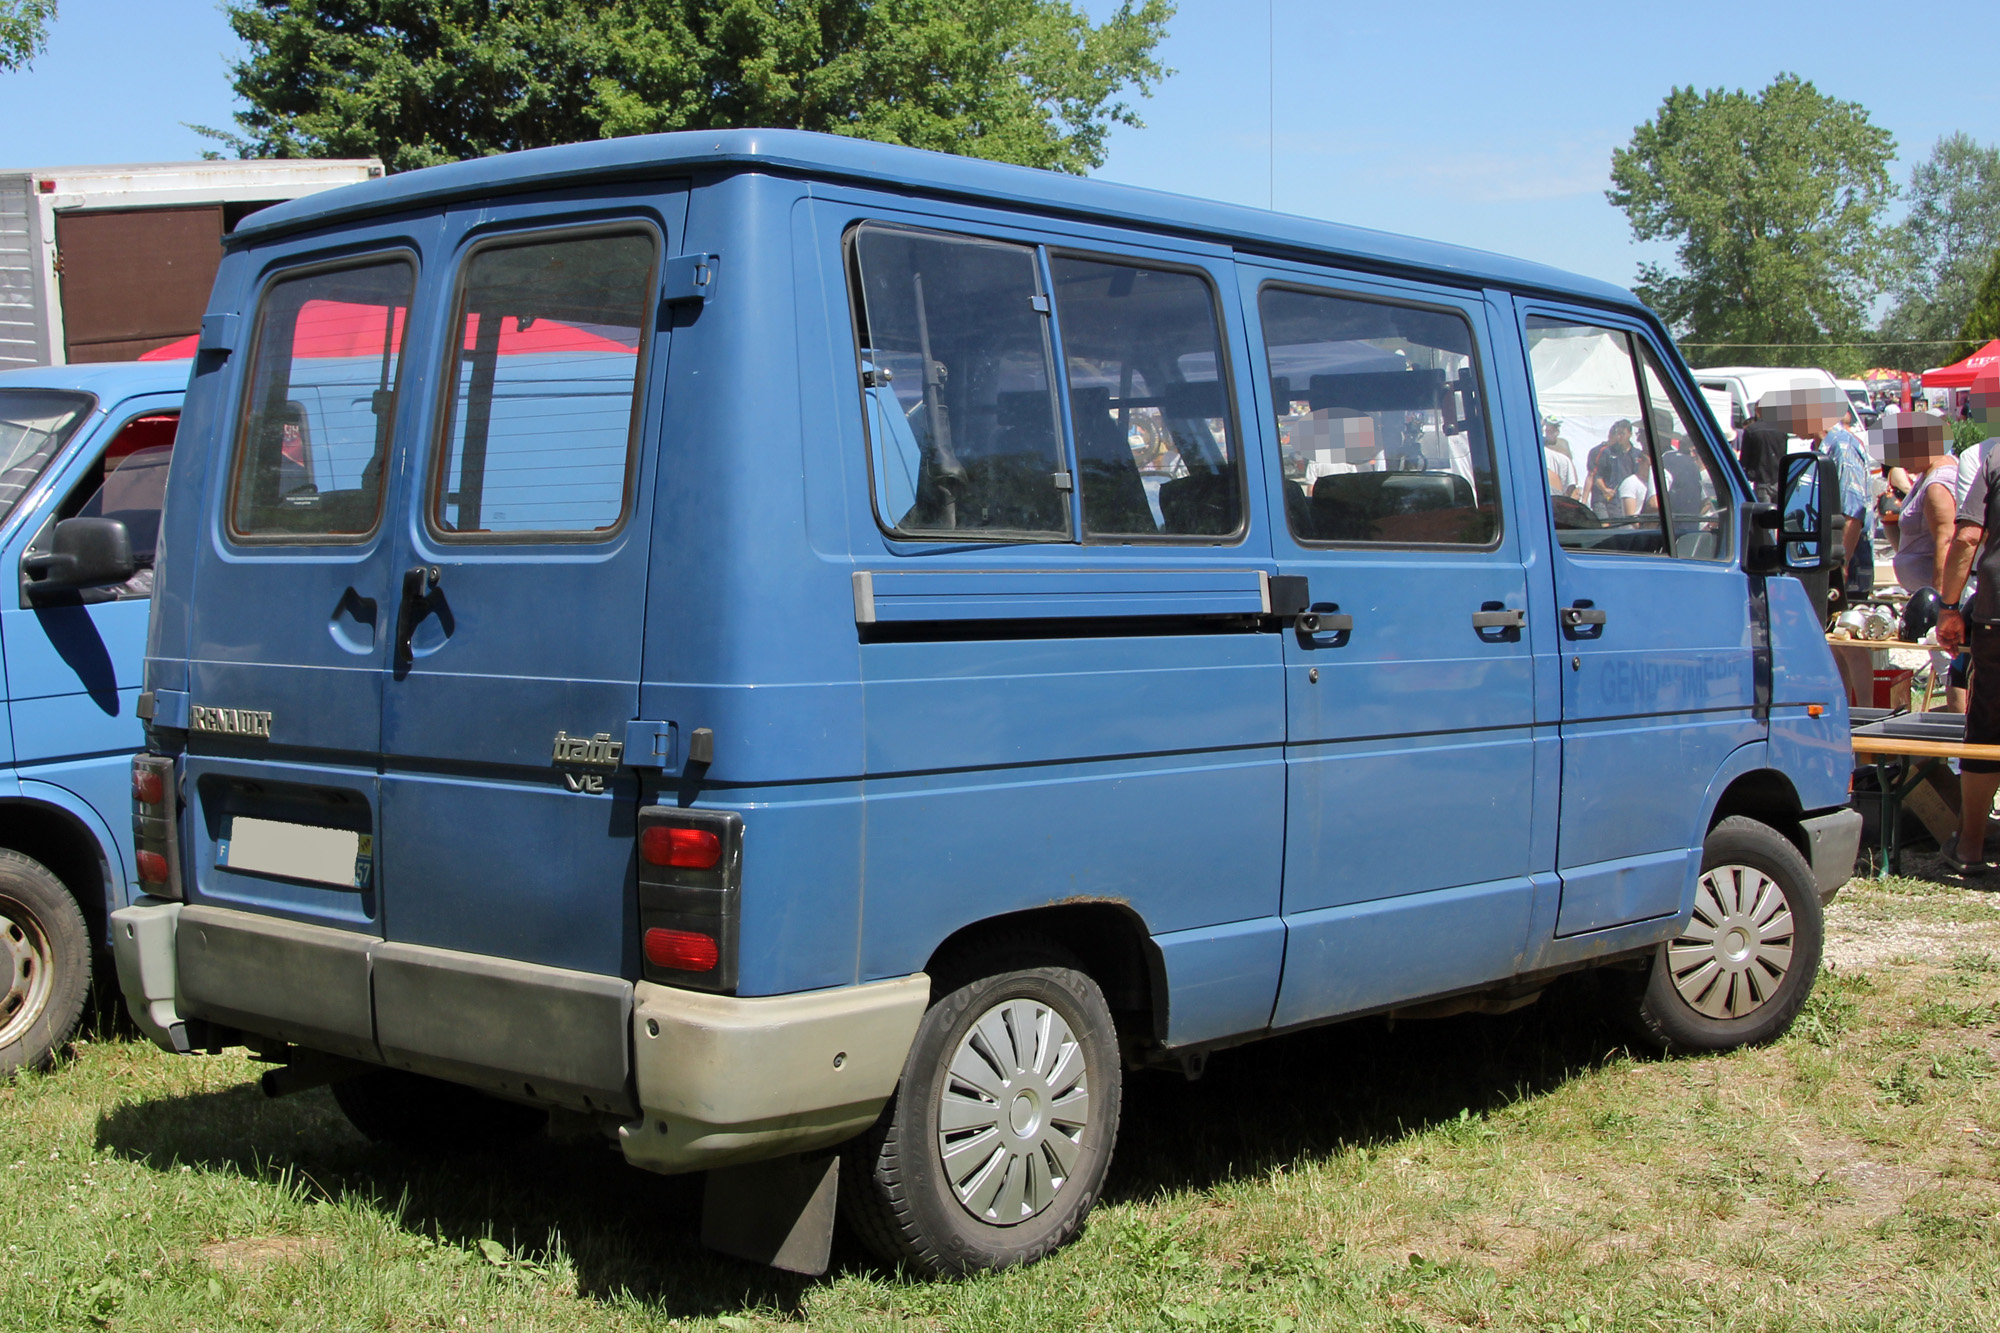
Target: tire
{"type": "Point", "coordinates": [999, 1201]}
{"type": "Point", "coordinates": [44, 964]}
{"type": "Point", "coordinates": [1747, 959]}
{"type": "Point", "coordinates": [430, 1116]}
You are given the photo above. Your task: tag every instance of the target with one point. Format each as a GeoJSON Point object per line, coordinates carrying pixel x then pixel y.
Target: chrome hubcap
{"type": "Point", "coordinates": [1738, 946]}
{"type": "Point", "coordinates": [1016, 1101]}
{"type": "Point", "coordinates": [24, 954]}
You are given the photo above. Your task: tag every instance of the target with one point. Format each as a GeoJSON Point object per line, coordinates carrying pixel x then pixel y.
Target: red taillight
{"type": "Point", "coordinates": [148, 787]}
{"type": "Point", "coordinates": [689, 848]}
{"type": "Point", "coordinates": [152, 868]}
{"type": "Point", "coordinates": [682, 950]}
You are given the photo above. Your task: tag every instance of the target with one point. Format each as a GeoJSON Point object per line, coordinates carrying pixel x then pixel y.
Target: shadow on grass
{"type": "Point", "coordinates": [628, 1232]}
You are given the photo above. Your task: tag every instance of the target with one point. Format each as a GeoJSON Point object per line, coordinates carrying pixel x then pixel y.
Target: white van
{"type": "Point", "coordinates": [1746, 384]}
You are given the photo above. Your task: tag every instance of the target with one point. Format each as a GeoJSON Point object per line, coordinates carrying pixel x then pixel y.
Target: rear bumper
{"type": "Point", "coordinates": [694, 1080]}
{"type": "Point", "coordinates": [1835, 840]}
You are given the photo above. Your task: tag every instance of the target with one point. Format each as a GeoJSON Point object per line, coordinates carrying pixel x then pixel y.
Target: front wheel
{"type": "Point", "coordinates": [1745, 962]}
{"type": "Point", "coordinates": [44, 964]}
{"type": "Point", "coordinates": [998, 1139]}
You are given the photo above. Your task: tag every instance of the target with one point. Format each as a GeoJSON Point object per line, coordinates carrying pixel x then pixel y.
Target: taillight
{"type": "Point", "coordinates": [155, 835]}
{"type": "Point", "coordinates": [690, 873]}
{"type": "Point", "coordinates": [687, 848]}
{"type": "Point", "coordinates": [682, 950]}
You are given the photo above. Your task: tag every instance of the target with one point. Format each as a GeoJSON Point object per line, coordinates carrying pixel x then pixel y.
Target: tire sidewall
{"type": "Point", "coordinates": [962, 1242]}
{"type": "Point", "coordinates": [1740, 841]}
{"type": "Point", "coordinates": [35, 888]}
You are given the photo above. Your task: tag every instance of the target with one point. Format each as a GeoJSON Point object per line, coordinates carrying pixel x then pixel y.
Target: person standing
{"type": "Point", "coordinates": [1924, 525]}
{"type": "Point", "coordinates": [1977, 541]}
{"type": "Point", "coordinates": [1610, 464]}
{"type": "Point", "coordinates": [1766, 439]}
{"type": "Point", "coordinates": [1556, 460]}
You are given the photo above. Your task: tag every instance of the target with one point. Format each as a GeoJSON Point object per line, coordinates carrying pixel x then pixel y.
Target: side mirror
{"type": "Point", "coordinates": [1763, 553]}
{"type": "Point", "coordinates": [1809, 502]}
{"type": "Point", "coordinates": [83, 553]}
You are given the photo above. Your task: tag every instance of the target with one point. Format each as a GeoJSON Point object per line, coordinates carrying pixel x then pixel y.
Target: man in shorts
{"type": "Point", "coordinates": [1977, 539]}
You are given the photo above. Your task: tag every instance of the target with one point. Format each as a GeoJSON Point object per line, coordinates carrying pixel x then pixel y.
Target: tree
{"type": "Point", "coordinates": [1775, 201]}
{"type": "Point", "coordinates": [1982, 320]}
{"type": "Point", "coordinates": [1942, 246]}
{"type": "Point", "coordinates": [418, 82]}
{"type": "Point", "coordinates": [24, 31]}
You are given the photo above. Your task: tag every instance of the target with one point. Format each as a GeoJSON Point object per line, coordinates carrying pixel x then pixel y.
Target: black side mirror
{"type": "Point", "coordinates": [1809, 503]}
{"type": "Point", "coordinates": [1762, 552]}
{"type": "Point", "coordinates": [83, 553]}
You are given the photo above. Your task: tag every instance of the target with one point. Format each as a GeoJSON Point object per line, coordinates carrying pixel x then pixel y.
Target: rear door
{"type": "Point", "coordinates": [1410, 810]}
{"type": "Point", "coordinates": [515, 587]}
{"type": "Point", "coordinates": [1659, 682]}
{"type": "Point", "coordinates": [287, 637]}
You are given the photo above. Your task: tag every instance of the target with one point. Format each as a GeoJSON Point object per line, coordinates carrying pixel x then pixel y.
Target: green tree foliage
{"type": "Point", "coordinates": [24, 31]}
{"type": "Point", "coordinates": [1775, 203]}
{"type": "Point", "coordinates": [418, 82]}
{"type": "Point", "coordinates": [1982, 320]}
{"type": "Point", "coordinates": [1942, 247]}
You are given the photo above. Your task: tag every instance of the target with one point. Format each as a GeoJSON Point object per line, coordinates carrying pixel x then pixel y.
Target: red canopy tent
{"type": "Point", "coordinates": [342, 328]}
{"type": "Point", "coordinates": [1960, 374]}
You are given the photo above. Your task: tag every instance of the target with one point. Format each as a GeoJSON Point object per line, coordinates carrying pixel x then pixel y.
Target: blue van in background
{"type": "Point", "coordinates": [812, 658]}
{"type": "Point", "coordinates": [83, 453]}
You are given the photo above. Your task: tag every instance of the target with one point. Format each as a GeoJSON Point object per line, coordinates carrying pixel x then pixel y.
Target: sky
{"type": "Point", "coordinates": [1483, 124]}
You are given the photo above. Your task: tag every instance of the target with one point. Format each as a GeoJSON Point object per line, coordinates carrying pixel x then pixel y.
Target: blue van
{"type": "Point", "coordinates": [811, 658]}
{"type": "Point", "coordinates": [83, 468]}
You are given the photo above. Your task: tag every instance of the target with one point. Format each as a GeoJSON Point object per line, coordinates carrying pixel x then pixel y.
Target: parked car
{"type": "Point", "coordinates": [83, 464]}
{"type": "Point", "coordinates": [808, 657]}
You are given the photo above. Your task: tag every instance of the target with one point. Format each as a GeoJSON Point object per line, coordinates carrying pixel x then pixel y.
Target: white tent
{"type": "Point", "coordinates": [1584, 381]}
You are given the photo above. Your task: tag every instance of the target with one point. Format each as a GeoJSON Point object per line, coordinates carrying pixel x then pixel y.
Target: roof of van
{"type": "Point", "coordinates": [106, 379]}
{"type": "Point", "coordinates": [829, 155]}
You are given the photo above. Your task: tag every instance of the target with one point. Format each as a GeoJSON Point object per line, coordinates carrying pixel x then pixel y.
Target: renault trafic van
{"type": "Point", "coordinates": [83, 469]}
{"type": "Point", "coordinates": [812, 658]}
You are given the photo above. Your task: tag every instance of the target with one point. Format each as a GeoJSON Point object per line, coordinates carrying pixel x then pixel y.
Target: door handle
{"type": "Point", "coordinates": [419, 582]}
{"type": "Point", "coordinates": [1324, 622]}
{"type": "Point", "coordinates": [1501, 619]}
{"type": "Point", "coordinates": [1574, 616]}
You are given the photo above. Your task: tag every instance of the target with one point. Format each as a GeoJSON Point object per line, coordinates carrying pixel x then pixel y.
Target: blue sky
{"type": "Point", "coordinates": [1480, 123]}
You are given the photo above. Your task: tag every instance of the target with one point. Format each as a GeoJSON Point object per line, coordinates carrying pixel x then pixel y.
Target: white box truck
{"type": "Point", "coordinates": [105, 263]}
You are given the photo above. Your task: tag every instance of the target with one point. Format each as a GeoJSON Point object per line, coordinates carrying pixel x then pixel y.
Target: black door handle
{"type": "Point", "coordinates": [1324, 622]}
{"type": "Point", "coordinates": [1573, 616]}
{"type": "Point", "coordinates": [1501, 619]}
{"type": "Point", "coordinates": [419, 582]}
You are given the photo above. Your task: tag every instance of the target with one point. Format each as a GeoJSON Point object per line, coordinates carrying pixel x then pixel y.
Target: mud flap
{"type": "Point", "coordinates": [778, 1212]}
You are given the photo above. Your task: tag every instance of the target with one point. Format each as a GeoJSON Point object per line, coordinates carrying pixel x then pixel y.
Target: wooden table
{"type": "Point", "coordinates": [1922, 758]}
{"type": "Point", "coordinates": [1887, 643]}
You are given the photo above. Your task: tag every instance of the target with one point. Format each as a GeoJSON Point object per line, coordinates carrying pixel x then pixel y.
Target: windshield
{"type": "Point", "coordinates": [34, 425]}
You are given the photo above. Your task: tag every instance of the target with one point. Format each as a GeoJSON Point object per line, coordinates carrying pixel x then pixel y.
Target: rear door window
{"type": "Point", "coordinates": [325, 363]}
{"type": "Point", "coordinates": [547, 343]}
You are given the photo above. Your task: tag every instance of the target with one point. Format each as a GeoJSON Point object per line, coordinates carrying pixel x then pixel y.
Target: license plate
{"type": "Point", "coordinates": [339, 857]}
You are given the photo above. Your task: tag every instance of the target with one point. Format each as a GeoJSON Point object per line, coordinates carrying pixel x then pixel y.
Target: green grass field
{"type": "Point", "coordinates": [1526, 1172]}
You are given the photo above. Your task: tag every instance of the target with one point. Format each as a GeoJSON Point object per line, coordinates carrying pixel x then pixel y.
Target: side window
{"type": "Point", "coordinates": [1382, 432]}
{"type": "Point", "coordinates": [128, 483]}
{"type": "Point", "coordinates": [547, 341]}
{"type": "Point", "coordinates": [325, 363]}
{"type": "Point", "coordinates": [958, 387]}
{"type": "Point", "coordinates": [1143, 353]}
{"type": "Point", "coordinates": [1587, 392]}
{"type": "Point", "coordinates": [1696, 494]}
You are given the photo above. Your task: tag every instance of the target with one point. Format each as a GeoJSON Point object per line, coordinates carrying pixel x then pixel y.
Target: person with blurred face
{"type": "Point", "coordinates": [1977, 541]}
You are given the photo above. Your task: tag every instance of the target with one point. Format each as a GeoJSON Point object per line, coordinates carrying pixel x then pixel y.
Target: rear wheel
{"type": "Point", "coordinates": [44, 964]}
{"type": "Point", "coordinates": [998, 1139]}
{"type": "Point", "coordinates": [1745, 962]}
{"type": "Point", "coordinates": [429, 1115]}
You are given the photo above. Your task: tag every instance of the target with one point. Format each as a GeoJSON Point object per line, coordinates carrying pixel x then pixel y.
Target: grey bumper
{"type": "Point", "coordinates": [1834, 839]}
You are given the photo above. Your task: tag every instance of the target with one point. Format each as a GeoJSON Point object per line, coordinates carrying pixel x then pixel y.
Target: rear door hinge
{"type": "Point", "coordinates": [689, 278]}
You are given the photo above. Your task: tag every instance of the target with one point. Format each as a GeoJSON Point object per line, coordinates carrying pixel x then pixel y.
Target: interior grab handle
{"type": "Point", "coordinates": [1500, 619]}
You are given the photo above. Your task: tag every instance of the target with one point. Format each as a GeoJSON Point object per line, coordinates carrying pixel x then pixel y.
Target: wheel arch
{"type": "Point", "coordinates": [1109, 938]}
{"type": "Point", "coordinates": [1766, 795]}
{"type": "Point", "coordinates": [67, 842]}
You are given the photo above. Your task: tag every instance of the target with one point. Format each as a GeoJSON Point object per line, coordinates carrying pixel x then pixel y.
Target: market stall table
{"type": "Point", "coordinates": [1922, 757]}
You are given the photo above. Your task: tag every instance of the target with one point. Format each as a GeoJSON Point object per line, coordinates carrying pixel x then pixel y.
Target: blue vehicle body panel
{"type": "Point", "coordinates": [73, 672]}
{"type": "Point", "coordinates": [921, 736]}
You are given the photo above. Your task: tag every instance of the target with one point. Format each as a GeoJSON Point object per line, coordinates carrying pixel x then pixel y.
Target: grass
{"type": "Point", "coordinates": [1517, 1173]}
